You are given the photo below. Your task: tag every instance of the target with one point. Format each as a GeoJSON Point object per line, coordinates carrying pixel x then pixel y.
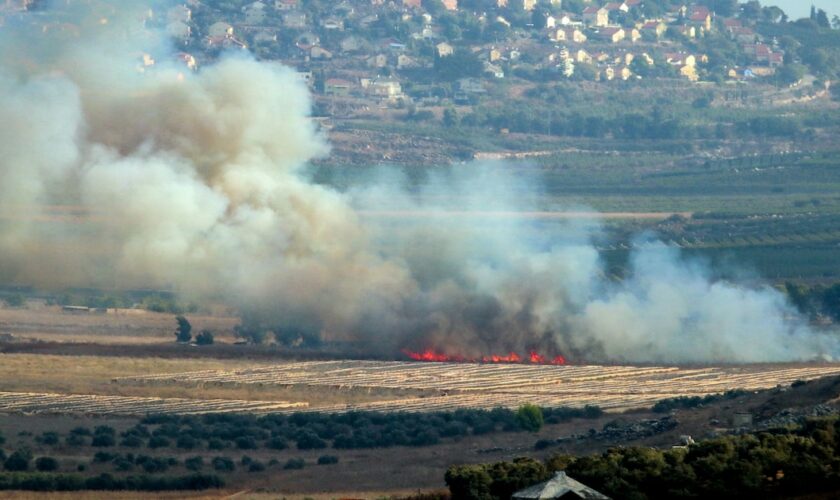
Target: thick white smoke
{"type": "Point", "coordinates": [193, 181]}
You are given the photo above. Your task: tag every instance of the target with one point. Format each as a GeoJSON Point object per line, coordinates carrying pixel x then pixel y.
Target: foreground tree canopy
{"type": "Point", "coordinates": [774, 464]}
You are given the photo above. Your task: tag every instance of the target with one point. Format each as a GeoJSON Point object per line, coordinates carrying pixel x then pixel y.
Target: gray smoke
{"type": "Point", "coordinates": [119, 174]}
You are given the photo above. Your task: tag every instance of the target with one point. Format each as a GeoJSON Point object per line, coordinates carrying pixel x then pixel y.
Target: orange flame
{"type": "Point", "coordinates": [534, 358]}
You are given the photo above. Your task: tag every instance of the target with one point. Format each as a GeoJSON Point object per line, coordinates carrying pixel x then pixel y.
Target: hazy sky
{"type": "Point", "coordinates": [801, 8]}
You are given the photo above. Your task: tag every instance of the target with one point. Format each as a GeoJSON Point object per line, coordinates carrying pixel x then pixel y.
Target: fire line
{"type": "Point", "coordinates": [534, 358]}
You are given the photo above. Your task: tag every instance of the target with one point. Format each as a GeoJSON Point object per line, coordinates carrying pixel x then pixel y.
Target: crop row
{"type": "Point", "coordinates": [488, 386]}
{"type": "Point", "coordinates": [37, 403]}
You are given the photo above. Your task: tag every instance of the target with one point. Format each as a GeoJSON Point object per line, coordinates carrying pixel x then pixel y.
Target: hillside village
{"type": "Point", "coordinates": [501, 64]}
{"type": "Point", "coordinates": [402, 50]}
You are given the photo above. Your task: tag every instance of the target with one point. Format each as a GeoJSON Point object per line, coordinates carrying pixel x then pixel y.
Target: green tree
{"type": "Point", "coordinates": [450, 117]}
{"type": "Point", "coordinates": [194, 463]}
{"type": "Point", "coordinates": [46, 464]}
{"type": "Point", "coordinates": [640, 66]}
{"type": "Point", "coordinates": [471, 482]}
{"type": "Point", "coordinates": [461, 64]}
{"type": "Point", "coordinates": [204, 338]}
{"type": "Point", "coordinates": [822, 19]}
{"type": "Point", "coordinates": [790, 74]}
{"type": "Point", "coordinates": [530, 417]}
{"type": "Point", "coordinates": [18, 461]}
{"type": "Point", "coordinates": [15, 300]}
{"type": "Point", "coordinates": [184, 331]}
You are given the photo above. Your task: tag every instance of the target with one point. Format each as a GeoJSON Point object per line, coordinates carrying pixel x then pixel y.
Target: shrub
{"type": "Point", "coordinates": [453, 429]}
{"type": "Point", "coordinates": [308, 440]}
{"type": "Point", "coordinates": [204, 338]}
{"type": "Point", "coordinates": [327, 460]}
{"type": "Point", "coordinates": [103, 440]}
{"type": "Point", "coordinates": [2, 439]}
{"type": "Point", "coordinates": [223, 464]}
{"type": "Point", "coordinates": [48, 439]}
{"type": "Point", "coordinates": [81, 431]}
{"type": "Point", "coordinates": [46, 464]}
{"type": "Point", "coordinates": [592, 411]}
{"type": "Point", "coordinates": [15, 300]}
{"type": "Point", "coordinates": [294, 463]}
{"type": "Point", "coordinates": [216, 444]}
{"type": "Point", "coordinates": [256, 466]}
{"type": "Point", "coordinates": [427, 437]}
{"type": "Point", "coordinates": [103, 456]}
{"type": "Point", "coordinates": [131, 441]}
{"type": "Point", "coordinates": [75, 440]}
{"type": "Point", "coordinates": [194, 463]}
{"type": "Point", "coordinates": [277, 443]}
{"type": "Point", "coordinates": [530, 417]}
{"type": "Point", "coordinates": [186, 442]}
{"type": "Point", "coordinates": [158, 442]}
{"type": "Point", "coordinates": [18, 461]}
{"type": "Point", "coordinates": [104, 429]}
{"type": "Point", "coordinates": [123, 464]}
{"type": "Point", "coordinates": [246, 443]}
{"type": "Point", "coordinates": [154, 465]}
{"type": "Point", "coordinates": [544, 443]}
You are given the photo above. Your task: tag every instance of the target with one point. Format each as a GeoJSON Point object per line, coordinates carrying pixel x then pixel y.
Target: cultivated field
{"type": "Point", "coordinates": [34, 403]}
{"type": "Point", "coordinates": [450, 385]}
{"type": "Point", "coordinates": [99, 385]}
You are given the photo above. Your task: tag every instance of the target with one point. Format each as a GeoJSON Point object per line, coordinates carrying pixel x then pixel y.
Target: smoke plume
{"type": "Point", "coordinates": [121, 174]}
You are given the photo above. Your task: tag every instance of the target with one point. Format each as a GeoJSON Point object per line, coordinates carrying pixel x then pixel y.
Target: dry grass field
{"type": "Point", "coordinates": [448, 386]}
{"type": "Point", "coordinates": [118, 326]}
{"type": "Point", "coordinates": [51, 376]}
{"type": "Point", "coordinates": [98, 385]}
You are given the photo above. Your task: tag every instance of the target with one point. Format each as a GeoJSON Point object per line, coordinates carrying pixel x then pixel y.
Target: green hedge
{"type": "Point", "coordinates": [106, 482]}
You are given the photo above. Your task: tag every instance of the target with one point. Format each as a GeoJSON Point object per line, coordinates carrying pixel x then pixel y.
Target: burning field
{"type": "Point", "coordinates": [207, 194]}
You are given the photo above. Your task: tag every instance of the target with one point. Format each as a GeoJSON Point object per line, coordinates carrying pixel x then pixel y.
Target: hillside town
{"type": "Point", "coordinates": [400, 53]}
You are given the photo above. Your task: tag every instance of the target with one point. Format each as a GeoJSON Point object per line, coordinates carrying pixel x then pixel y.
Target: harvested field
{"type": "Point", "coordinates": [453, 385]}
{"type": "Point", "coordinates": [116, 326]}
{"type": "Point", "coordinates": [38, 403]}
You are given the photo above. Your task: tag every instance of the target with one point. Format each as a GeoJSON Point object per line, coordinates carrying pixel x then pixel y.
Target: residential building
{"type": "Point", "coordinates": [612, 34]}
{"type": "Point", "coordinates": [220, 29]}
{"type": "Point", "coordinates": [596, 16]}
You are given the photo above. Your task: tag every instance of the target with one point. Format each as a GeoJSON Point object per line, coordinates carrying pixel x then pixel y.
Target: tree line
{"type": "Point", "coordinates": [312, 431]}
{"type": "Point", "coordinates": [815, 301]}
{"type": "Point", "coordinates": [774, 464]}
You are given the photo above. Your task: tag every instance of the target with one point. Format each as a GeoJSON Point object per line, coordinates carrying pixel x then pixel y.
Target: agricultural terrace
{"type": "Point", "coordinates": [449, 386]}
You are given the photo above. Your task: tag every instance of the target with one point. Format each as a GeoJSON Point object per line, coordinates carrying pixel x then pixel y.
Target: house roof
{"type": "Point", "coordinates": [338, 82]}
{"type": "Point", "coordinates": [699, 13]}
{"type": "Point", "coordinates": [557, 487]}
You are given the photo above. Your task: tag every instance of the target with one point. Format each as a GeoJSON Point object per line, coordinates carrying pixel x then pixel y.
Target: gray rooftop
{"type": "Point", "coordinates": [560, 486]}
